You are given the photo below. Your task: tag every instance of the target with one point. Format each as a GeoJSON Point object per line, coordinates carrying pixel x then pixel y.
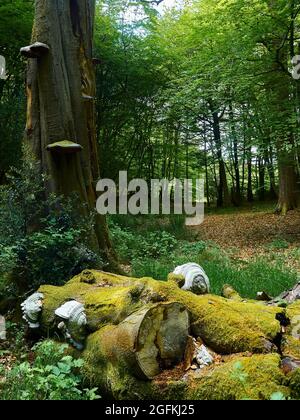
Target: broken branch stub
{"type": "Point", "coordinates": [36, 50]}
{"type": "Point", "coordinates": [96, 61]}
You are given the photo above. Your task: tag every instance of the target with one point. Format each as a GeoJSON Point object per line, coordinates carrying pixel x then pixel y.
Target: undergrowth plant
{"type": "Point", "coordinates": [53, 375]}
{"type": "Point", "coordinates": [43, 239]}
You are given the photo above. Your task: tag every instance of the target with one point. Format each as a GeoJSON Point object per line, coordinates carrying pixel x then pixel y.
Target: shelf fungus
{"type": "Point", "coordinates": [72, 323]}
{"type": "Point", "coordinates": [196, 280]}
{"type": "Point", "coordinates": [64, 147]}
{"type": "Point", "coordinates": [87, 98]}
{"type": "Point", "coordinates": [36, 50]}
{"type": "Point", "coordinates": [32, 308]}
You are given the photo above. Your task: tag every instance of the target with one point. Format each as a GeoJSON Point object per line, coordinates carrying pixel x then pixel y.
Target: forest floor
{"type": "Point", "coordinates": [250, 248]}
{"type": "Point", "coordinates": [254, 232]}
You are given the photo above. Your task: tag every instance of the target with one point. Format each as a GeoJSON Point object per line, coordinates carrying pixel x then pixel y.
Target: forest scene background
{"type": "Point", "coordinates": [185, 89]}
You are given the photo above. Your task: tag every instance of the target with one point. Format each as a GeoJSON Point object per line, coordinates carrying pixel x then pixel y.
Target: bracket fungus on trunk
{"type": "Point", "coordinates": [64, 147]}
{"type": "Point", "coordinates": [36, 50]}
{"type": "Point", "coordinates": [87, 98]}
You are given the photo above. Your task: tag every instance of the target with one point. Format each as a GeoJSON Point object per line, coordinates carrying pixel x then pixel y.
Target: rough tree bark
{"type": "Point", "coordinates": [60, 97]}
{"type": "Point", "coordinates": [280, 89]}
{"type": "Point", "coordinates": [288, 191]}
{"type": "Point", "coordinates": [288, 188]}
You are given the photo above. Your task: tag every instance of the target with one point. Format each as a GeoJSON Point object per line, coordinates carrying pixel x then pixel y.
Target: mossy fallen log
{"type": "Point", "coordinates": [227, 326]}
{"type": "Point", "coordinates": [137, 332]}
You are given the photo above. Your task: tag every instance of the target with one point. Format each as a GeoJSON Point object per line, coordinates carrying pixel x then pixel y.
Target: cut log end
{"type": "Point", "coordinates": [166, 337]}
{"type": "Point", "coordinates": [157, 338]}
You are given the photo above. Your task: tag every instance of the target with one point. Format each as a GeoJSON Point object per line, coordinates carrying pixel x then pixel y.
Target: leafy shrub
{"type": "Point", "coordinates": [52, 376]}
{"type": "Point", "coordinates": [125, 242]}
{"type": "Point", "coordinates": [132, 246]}
{"type": "Point", "coordinates": [52, 256]}
{"type": "Point", "coordinates": [42, 240]}
{"type": "Point", "coordinates": [150, 267]}
{"type": "Point", "coordinates": [158, 244]}
{"type": "Point", "coordinates": [173, 224]}
{"type": "Point", "coordinates": [193, 248]}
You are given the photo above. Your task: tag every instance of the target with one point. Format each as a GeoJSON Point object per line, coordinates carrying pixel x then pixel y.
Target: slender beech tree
{"type": "Point", "coordinates": [60, 103]}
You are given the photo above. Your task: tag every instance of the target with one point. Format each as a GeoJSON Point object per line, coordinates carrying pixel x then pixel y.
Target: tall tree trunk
{"type": "Point", "coordinates": [223, 191]}
{"type": "Point", "coordinates": [250, 197]}
{"type": "Point", "coordinates": [237, 195]}
{"type": "Point", "coordinates": [288, 190]}
{"type": "Point", "coordinates": [206, 167]}
{"type": "Point", "coordinates": [280, 88]}
{"type": "Point", "coordinates": [288, 196]}
{"type": "Point", "coordinates": [261, 179]}
{"type": "Point", "coordinates": [60, 104]}
{"type": "Point", "coordinates": [271, 172]}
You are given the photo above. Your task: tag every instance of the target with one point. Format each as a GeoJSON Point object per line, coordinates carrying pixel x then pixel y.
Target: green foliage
{"type": "Point", "coordinates": [188, 248]}
{"type": "Point", "coordinates": [157, 253]}
{"type": "Point", "coordinates": [279, 244]}
{"type": "Point", "coordinates": [164, 78]}
{"type": "Point", "coordinates": [42, 240]}
{"type": "Point", "coordinates": [52, 256]}
{"type": "Point", "coordinates": [15, 21]}
{"type": "Point", "coordinates": [259, 275]}
{"type": "Point", "coordinates": [15, 32]}
{"type": "Point", "coordinates": [130, 245]}
{"type": "Point", "coordinates": [52, 376]}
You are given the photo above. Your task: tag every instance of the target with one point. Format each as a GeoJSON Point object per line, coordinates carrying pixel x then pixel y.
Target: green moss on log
{"type": "Point", "coordinates": [294, 384]}
{"type": "Point", "coordinates": [291, 342]}
{"type": "Point", "coordinates": [117, 348]}
{"type": "Point", "coordinates": [227, 326]}
{"type": "Point", "coordinates": [242, 378]}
